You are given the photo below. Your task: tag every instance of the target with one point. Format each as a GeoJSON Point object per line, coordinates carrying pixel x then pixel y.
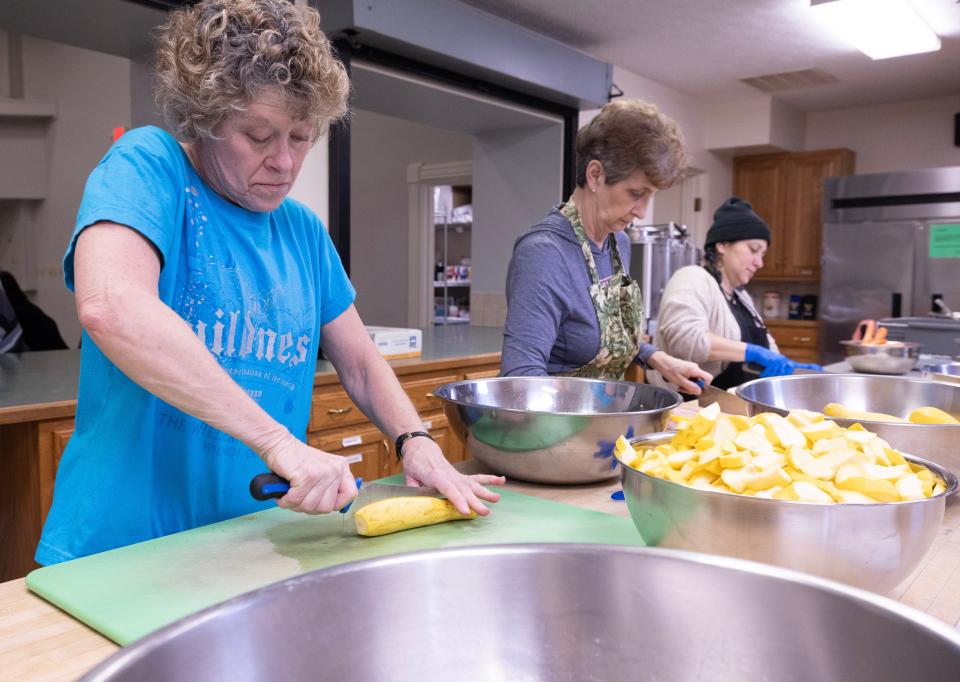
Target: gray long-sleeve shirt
{"type": "Point", "coordinates": [551, 324]}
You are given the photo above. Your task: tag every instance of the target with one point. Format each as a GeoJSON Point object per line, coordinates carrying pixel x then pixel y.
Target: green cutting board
{"type": "Point", "coordinates": [128, 592]}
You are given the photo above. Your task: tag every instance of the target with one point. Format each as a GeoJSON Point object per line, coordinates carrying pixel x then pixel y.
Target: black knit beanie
{"type": "Point", "coordinates": [735, 220]}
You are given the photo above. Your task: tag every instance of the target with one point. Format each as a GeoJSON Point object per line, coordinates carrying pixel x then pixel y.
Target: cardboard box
{"type": "Point", "coordinates": [395, 343]}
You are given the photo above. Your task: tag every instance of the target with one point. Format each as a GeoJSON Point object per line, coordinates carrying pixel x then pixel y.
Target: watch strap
{"type": "Point", "coordinates": [404, 437]}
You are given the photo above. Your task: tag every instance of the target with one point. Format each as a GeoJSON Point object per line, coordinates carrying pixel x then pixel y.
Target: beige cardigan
{"type": "Point", "coordinates": [692, 306]}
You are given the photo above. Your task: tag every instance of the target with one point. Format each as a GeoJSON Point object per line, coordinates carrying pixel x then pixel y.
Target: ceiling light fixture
{"type": "Point", "coordinates": [879, 28]}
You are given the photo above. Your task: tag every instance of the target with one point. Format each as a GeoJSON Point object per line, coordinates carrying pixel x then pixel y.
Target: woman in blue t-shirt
{"type": "Point", "coordinates": [204, 293]}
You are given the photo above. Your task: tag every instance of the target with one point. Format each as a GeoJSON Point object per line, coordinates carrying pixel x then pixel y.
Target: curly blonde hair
{"type": "Point", "coordinates": [629, 136]}
{"type": "Point", "coordinates": [214, 58]}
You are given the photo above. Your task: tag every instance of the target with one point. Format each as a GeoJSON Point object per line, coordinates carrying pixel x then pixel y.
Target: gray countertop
{"type": "Point", "coordinates": [451, 341]}
{"type": "Point", "coordinates": [925, 361]}
{"type": "Point", "coordinates": [51, 376]}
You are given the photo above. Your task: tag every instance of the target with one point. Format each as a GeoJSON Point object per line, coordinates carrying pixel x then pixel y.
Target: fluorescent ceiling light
{"type": "Point", "coordinates": [878, 28]}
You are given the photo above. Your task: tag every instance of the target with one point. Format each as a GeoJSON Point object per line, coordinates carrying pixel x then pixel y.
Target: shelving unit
{"type": "Point", "coordinates": [452, 249]}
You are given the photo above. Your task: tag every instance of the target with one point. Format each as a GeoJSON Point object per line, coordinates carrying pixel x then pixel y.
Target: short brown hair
{"type": "Point", "coordinates": [629, 136]}
{"type": "Point", "coordinates": [215, 57]}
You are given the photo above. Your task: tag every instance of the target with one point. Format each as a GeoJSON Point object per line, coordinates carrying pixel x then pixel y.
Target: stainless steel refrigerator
{"type": "Point", "coordinates": [890, 242]}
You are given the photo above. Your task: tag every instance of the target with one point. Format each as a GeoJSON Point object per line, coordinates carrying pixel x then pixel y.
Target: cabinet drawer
{"type": "Point", "coordinates": [801, 354]}
{"type": "Point", "coordinates": [483, 374]}
{"type": "Point", "coordinates": [332, 409]}
{"type": "Point", "coordinates": [334, 441]}
{"type": "Point", "coordinates": [420, 391]}
{"type": "Point", "coordinates": [365, 447]}
{"type": "Point", "coordinates": [794, 337]}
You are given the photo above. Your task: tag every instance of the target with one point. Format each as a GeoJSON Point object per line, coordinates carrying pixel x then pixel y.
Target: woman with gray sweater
{"type": "Point", "coordinates": [572, 309]}
{"type": "Point", "coordinates": [706, 314]}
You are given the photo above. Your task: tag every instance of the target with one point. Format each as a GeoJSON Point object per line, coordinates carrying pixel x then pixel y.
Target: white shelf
{"type": "Point", "coordinates": [451, 320]}
{"type": "Point", "coordinates": [451, 283]}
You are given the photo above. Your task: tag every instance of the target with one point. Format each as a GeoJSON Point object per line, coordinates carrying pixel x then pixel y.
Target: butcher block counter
{"type": "Point", "coordinates": [40, 642]}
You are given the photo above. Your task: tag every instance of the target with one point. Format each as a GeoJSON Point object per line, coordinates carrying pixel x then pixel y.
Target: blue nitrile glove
{"type": "Point", "coordinates": [774, 364]}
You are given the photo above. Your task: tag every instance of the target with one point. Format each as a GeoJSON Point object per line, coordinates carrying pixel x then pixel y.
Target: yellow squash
{"type": "Point", "coordinates": [932, 415]}
{"type": "Point", "coordinates": [843, 412]}
{"type": "Point", "coordinates": [404, 513]}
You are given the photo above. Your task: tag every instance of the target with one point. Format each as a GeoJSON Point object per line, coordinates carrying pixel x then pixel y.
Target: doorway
{"type": "Point", "coordinates": [510, 156]}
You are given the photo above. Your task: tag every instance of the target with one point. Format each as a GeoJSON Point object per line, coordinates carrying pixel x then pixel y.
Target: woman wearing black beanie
{"type": "Point", "coordinates": [707, 316]}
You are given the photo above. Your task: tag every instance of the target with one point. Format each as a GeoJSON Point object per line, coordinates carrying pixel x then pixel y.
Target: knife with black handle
{"type": "Point", "coordinates": [268, 486]}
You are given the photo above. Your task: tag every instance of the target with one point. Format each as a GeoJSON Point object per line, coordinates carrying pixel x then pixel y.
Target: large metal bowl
{"type": "Point", "coordinates": [552, 429]}
{"type": "Point", "coordinates": [885, 358]}
{"type": "Point", "coordinates": [547, 612]}
{"type": "Point", "coordinates": [890, 395]}
{"type": "Point", "coordinates": [872, 546]}
{"type": "Point", "coordinates": [947, 371]}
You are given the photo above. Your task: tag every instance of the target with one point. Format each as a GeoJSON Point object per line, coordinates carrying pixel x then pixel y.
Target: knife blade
{"type": "Point", "coordinates": [375, 492]}
{"type": "Point", "coordinates": [729, 403]}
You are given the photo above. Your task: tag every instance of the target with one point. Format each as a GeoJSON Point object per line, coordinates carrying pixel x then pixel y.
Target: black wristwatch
{"type": "Point", "coordinates": [404, 437]}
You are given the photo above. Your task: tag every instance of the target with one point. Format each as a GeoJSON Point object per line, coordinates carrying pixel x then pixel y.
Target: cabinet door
{"type": "Point", "coordinates": [366, 461]}
{"type": "Point", "coordinates": [803, 209]}
{"type": "Point", "coordinates": [760, 180]}
{"type": "Point", "coordinates": [52, 438]}
{"type": "Point", "coordinates": [438, 427]}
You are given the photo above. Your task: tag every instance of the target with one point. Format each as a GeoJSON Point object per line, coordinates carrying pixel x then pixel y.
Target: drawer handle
{"type": "Point", "coordinates": [804, 339]}
{"type": "Point", "coordinates": [342, 410]}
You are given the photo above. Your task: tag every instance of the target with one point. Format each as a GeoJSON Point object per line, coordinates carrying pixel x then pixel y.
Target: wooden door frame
{"type": "Point", "coordinates": [421, 179]}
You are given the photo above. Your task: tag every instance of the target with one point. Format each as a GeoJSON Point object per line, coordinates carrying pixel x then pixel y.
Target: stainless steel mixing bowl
{"type": "Point", "coordinates": [890, 395]}
{"type": "Point", "coordinates": [872, 546]}
{"type": "Point", "coordinates": [548, 612]}
{"type": "Point", "coordinates": [552, 429]}
{"type": "Point", "coordinates": [947, 371]}
{"type": "Point", "coordinates": [885, 358]}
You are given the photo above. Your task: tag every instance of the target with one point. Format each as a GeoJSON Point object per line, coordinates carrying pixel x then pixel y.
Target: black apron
{"type": "Point", "coordinates": [752, 330]}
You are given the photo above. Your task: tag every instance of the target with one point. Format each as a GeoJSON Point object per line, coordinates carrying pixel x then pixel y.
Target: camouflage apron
{"type": "Point", "coordinates": [619, 309]}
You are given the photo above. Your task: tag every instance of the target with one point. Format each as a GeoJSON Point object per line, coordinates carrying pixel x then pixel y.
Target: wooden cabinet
{"type": "Point", "coordinates": [31, 447]}
{"type": "Point", "coordinates": [797, 339]}
{"type": "Point", "coordinates": [30, 452]}
{"type": "Point", "coordinates": [786, 191]}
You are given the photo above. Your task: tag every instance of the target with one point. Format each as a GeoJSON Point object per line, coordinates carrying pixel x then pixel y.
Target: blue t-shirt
{"type": "Point", "coordinates": [255, 288]}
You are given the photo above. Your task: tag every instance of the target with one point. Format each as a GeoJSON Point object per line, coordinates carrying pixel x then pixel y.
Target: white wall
{"type": "Point", "coordinates": [143, 107]}
{"type": "Point", "coordinates": [517, 179]}
{"type": "Point", "coordinates": [890, 137]}
{"type": "Point", "coordinates": [692, 116]}
{"type": "Point", "coordinates": [312, 185]}
{"type": "Point", "coordinates": [381, 148]}
{"type": "Point", "coordinates": [92, 93]}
